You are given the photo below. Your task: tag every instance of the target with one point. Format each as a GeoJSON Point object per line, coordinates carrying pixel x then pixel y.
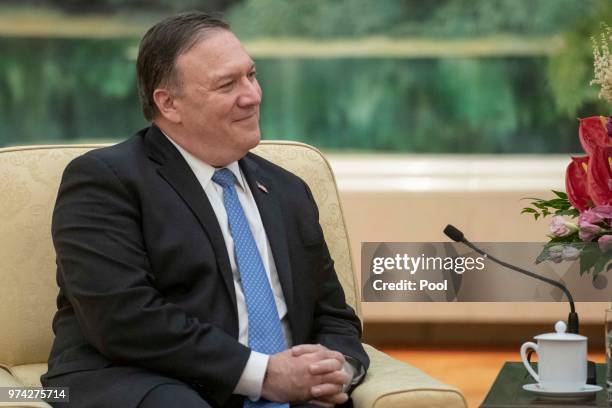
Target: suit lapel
{"type": "Point", "coordinates": [178, 174]}
{"type": "Point", "coordinates": [267, 197]}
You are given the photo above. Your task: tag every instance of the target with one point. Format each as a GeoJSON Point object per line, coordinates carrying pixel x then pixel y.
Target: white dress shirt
{"type": "Point", "coordinates": [251, 380]}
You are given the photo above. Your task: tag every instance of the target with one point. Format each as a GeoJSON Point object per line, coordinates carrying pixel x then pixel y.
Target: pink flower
{"type": "Point", "coordinates": [605, 243]}
{"type": "Point", "coordinates": [590, 217]}
{"type": "Point", "coordinates": [604, 211]}
{"type": "Point", "coordinates": [596, 215]}
{"type": "Point", "coordinates": [570, 253]}
{"type": "Point", "coordinates": [561, 228]}
{"type": "Point", "coordinates": [556, 253]}
{"type": "Point", "coordinates": [588, 231]}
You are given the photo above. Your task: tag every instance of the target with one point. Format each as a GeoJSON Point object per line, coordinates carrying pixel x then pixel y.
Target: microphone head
{"type": "Point", "coordinates": [453, 233]}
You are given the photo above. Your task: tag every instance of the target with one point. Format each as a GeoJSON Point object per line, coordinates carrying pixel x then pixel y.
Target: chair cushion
{"type": "Point", "coordinates": [8, 380]}
{"type": "Point", "coordinates": [29, 374]}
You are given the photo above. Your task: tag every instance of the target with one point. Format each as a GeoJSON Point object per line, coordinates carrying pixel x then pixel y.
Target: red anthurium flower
{"type": "Point", "coordinates": [576, 183]}
{"type": "Point", "coordinates": [599, 174]}
{"type": "Point", "coordinates": [588, 180]}
{"type": "Point", "coordinates": [592, 132]}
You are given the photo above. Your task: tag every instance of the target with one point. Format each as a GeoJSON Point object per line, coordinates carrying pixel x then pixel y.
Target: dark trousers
{"type": "Point", "coordinates": [183, 396]}
{"type": "Point", "coordinates": [173, 395]}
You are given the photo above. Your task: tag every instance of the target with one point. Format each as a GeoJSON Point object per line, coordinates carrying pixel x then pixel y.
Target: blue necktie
{"type": "Point", "coordinates": [265, 332]}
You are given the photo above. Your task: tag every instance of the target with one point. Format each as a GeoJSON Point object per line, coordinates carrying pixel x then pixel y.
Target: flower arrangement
{"type": "Point", "coordinates": [588, 185]}
{"type": "Point", "coordinates": [602, 62]}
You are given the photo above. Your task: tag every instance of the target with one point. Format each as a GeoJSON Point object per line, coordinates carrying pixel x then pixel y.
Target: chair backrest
{"type": "Point", "coordinates": [29, 180]}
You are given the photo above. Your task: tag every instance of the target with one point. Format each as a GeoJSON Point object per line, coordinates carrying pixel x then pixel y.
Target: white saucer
{"type": "Point", "coordinates": [584, 392]}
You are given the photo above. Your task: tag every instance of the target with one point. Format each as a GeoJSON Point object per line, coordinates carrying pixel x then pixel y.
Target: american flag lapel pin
{"type": "Point", "coordinates": [262, 187]}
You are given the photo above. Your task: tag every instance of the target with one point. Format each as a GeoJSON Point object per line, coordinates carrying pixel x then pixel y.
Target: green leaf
{"type": "Point", "coordinates": [571, 212]}
{"type": "Point", "coordinates": [557, 206]}
{"type": "Point", "coordinates": [557, 203]}
{"type": "Point", "coordinates": [567, 239]}
{"type": "Point", "coordinates": [588, 258]}
{"type": "Point", "coordinates": [544, 255]}
{"type": "Point", "coordinates": [603, 264]}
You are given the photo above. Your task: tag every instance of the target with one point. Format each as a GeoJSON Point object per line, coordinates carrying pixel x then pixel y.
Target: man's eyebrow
{"type": "Point", "coordinates": [232, 74]}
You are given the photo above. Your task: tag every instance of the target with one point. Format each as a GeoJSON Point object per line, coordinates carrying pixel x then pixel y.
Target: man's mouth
{"type": "Point", "coordinates": [246, 117]}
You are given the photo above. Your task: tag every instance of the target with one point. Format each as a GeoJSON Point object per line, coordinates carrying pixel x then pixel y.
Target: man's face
{"type": "Point", "coordinates": [218, 98]}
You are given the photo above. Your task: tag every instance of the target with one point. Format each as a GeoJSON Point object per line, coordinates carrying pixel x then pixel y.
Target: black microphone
{"type": "Point", "coordinates": [572, 320]}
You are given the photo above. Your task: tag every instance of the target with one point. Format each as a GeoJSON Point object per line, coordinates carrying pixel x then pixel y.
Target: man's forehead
{"type": "Point", "coordinates": [227, 67]}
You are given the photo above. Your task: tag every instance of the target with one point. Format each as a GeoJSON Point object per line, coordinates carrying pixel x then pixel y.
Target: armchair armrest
{"type": "Point", "coordinates": [7, 380]}
{"type": "Point", "coordinates": [389, 383]}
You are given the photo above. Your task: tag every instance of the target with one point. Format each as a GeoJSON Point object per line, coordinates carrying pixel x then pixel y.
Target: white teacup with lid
{"type": "Point", "coordinates": [562, 360]}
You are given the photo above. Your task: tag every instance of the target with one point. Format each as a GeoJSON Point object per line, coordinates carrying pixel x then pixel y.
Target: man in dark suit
{"type": "Point", "coordinates": [188, 267]}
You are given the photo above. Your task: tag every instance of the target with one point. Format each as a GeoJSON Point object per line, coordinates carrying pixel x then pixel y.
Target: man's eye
{"type": "Point", "coordinates": [252, 74]}
{"type": "Point", "coordinates": [226, 84]}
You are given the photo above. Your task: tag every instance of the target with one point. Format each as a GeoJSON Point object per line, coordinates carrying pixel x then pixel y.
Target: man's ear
{"type": "Point", "coordinates": [164, 99]}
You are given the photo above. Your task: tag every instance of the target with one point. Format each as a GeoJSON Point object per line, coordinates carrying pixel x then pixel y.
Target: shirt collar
{"type": "Point", "coordinates": [204, 171]}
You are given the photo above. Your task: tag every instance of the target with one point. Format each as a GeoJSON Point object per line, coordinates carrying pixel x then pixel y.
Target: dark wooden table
{"type": "Point", "coordinates": [507, 391]}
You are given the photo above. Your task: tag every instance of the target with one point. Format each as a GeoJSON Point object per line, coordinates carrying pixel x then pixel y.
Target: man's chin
{"type": "Point", "coordinates": [252, 140]}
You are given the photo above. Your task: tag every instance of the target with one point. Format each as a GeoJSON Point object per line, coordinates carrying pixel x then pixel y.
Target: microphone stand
{"type": "Point", "coordinates": [573, 325]}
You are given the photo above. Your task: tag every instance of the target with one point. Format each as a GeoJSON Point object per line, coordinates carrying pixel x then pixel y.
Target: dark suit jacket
{"type": "Point", "coordinates": [146, 291]}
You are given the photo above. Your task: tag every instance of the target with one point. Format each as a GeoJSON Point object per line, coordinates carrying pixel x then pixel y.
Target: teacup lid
{"type": "Point", "coordinates": [560, 335]}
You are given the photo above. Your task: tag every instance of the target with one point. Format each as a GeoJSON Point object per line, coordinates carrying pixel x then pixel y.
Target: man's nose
{"type": "Point", "coordinates": [250, 95]}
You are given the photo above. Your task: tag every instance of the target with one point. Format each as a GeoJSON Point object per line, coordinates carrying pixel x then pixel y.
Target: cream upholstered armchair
{"type": "Point", "coordinates": [29, 180]}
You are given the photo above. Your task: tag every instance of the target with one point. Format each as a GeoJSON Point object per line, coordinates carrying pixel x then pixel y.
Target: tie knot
{"type": "Point", "coordinates": [224, 178]}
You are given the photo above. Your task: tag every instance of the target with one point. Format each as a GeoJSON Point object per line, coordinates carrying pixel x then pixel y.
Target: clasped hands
{"type": "Point", "coordinates": [306, 373]}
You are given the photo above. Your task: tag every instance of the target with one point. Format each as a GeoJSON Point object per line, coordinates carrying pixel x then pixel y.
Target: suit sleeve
{"type": "Point", "coordinates": [336, 325]}
{"type": "Point", "coordinates": [105, 271]}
